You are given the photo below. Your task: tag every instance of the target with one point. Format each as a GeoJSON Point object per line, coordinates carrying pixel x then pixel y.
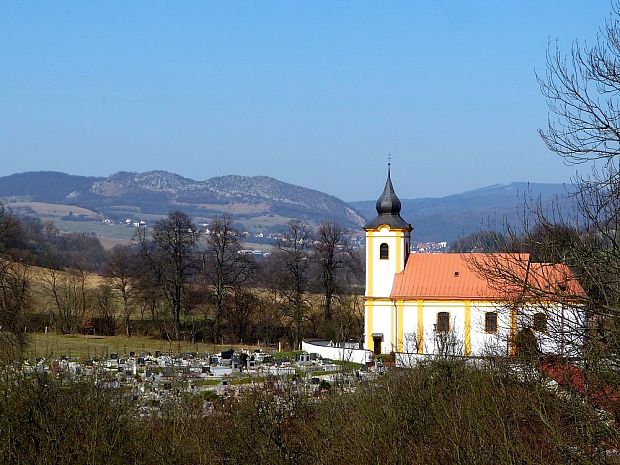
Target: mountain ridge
{"type": "Point", "coordinates": [261, 199]}
{"type": "Point", "coordinates": [489, 207]}
{"type": "Point", "coordinates": [265, 203]}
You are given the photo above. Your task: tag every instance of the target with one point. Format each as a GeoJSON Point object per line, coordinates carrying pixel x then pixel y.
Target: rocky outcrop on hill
{"type": "Point", "coordinates": [246, 198]}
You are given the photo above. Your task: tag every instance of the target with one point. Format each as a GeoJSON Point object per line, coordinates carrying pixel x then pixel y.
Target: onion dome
{"type": "Point", "coordinates": [388, 209]}
{"type": "Point", "coordinates": [388, 203]}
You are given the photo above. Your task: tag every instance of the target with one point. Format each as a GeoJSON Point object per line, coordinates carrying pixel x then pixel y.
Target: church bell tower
{"type": "Point", "coordinates": [388, 241]}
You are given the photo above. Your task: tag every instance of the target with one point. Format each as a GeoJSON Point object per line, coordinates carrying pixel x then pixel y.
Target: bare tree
{"type": "Point", "coordinates": [68, 291]}
{"type": "Point", "coordinates": [15, 286]}
{"type": "Point", "coordinates": [15, 300]}
{"type": "Point", "coordinates": [583, 95]}
{"type": "Point", "coordinates": [447, 344]}
{"type": "Point", "coordinates": [10, 232]}
{"type": "Point", "coordinates": [171, 257]}
{"type": "Point", "coordinates": [121, 268]}
{"type": "Point", "coordinates": [333, 254]}
{"type": "Point", "coordinates": [545, 300]}
{"type": "Point", "coordinates": [479, 241]}
{"type": "Point", "coordinates": [104, 314]}
{"type": "Point", "coordinates": [224, 268]}
{"type": "Point", "coordinates": [291, 273]}
{"type": "Point", "coordinates": [148, 293]}
{"type": "Point", "coordinates": [242, 312]}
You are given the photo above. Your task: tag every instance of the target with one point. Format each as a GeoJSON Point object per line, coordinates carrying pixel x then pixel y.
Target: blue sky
{"type": "Point", "coordinates": [313, 93]}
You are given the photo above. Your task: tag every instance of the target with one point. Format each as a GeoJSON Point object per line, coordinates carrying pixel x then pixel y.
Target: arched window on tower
{"type": "Point", "coordinates": [384, 251]}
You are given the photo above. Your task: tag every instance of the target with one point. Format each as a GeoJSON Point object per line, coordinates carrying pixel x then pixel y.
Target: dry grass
{"type": "Point", "coordinates": [52, 209]}
{"type": "Point", "coordinates": [108, 243]}
{"type": "Point", "coordinates": [112, 231]}
{"type": "Point", "coordinates": [78, 346]}
{"type": "Point", "coordinates": [38, 275]}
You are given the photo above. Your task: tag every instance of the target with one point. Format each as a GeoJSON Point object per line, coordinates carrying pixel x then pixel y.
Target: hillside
{"type": "Point", "coordinates": [43, 186]}
{"type": "Point", "coordinates": [447, 218]}
{"type": "Point", "coordinates": [258, 202]}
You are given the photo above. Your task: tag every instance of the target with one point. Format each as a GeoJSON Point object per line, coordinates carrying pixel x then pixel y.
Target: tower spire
{"type": "Point", "coordinates": [388, 206]}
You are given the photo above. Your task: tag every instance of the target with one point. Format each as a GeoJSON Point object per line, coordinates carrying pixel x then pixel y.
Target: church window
{"type": "Point", "coordinates": [384, 251]}
{"type": "Point", "coordinates": [490, 322]}
{"type": "Point", "coordinates": [540, 322]}
{"type": "Point", "coordinates": [443, 322]}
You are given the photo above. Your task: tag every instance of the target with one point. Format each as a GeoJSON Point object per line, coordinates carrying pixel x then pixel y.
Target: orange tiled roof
{"type": "Point", "coordinates": [457, 276]}
{"type": "Point", "coordinates": [555, 278]}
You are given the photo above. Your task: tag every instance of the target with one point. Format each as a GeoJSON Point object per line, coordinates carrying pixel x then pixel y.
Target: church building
{"type": "Point", "coordinates": [445, 304]}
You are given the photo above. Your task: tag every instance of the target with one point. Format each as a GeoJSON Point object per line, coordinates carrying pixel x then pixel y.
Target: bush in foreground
{"type": "Point", "coordinates": [442, 412]}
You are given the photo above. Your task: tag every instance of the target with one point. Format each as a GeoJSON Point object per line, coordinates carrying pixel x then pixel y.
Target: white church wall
{"type": "Point", "coordinates": [563, 336]}
{"type": "Point", "coordinates": [483, 343]}
{"type": "Point", "coordinates": [410, 327]}
{"type": "Point", "coordinates": [380, 273]}
{"type": "Point", "coordinates": [454, 340]}
{"type": "Point", "coordinates": [383, 323]}
{"type": "Point", "coordinates": [480, 342]}
{"type": "Point", "coordinates": [565, 333]}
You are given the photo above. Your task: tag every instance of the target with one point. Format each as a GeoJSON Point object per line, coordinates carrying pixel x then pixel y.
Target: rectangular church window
{"type": "Point", "coordinates": [490, 322]}
{"type": "Point", "coordinates": [540, 322]}
{"type": "Point", "coordinates": [443, 322]}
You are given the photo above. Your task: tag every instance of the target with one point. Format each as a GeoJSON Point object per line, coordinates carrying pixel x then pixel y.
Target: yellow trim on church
{"type": "Point", "coordinates": [467, 327]}
{"type": "Point", "coordinates": [393, 327]}
{"type": "Point", "coordinates": [369, 321]}
{"type": "Point", "coordinates": [381, 226]}
{"type": "Point", "coordinates": [398, 257]}
{"type": "Point", "coordinates": [369, 262]}
{"type": "Point", "coordinates": [512, 347]}
{"type": "Point", "coordinates": [420, 326]}
{"type": "Point", "coordinates": [401, 328]}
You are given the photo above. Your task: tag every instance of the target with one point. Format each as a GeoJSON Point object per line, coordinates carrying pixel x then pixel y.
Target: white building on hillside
{"type": "Point", "coordinates": [443, 303]}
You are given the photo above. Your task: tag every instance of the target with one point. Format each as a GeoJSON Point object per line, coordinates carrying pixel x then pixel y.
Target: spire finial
{"type": "Point", "coordinates": [388, 206]}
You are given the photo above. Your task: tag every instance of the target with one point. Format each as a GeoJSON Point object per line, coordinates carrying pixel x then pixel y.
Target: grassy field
{"type": "Point", "coordinates": [112, 234]}
{"type": "Point", "coordinates": [78, 346]}
{"type": "Point", "coordinates": [108, 243]}
{"type": "Point", "coordinates": [114, 231]}
{"type": "Point", "coordinates": [40, 277]}
{"type": "Point", "coordinates": [52, 209]}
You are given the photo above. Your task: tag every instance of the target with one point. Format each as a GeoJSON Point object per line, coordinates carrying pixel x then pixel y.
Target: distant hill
{"type": "Point", "coordinates": [44, 186]}
{"type": "Point", "coordinates": [448, 218]}
{"type": "Point", "coordinates": [258, 201]}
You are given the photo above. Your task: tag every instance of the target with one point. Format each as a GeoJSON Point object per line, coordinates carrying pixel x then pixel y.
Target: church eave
{"type": "Point", "coordinates": [393, 221]}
